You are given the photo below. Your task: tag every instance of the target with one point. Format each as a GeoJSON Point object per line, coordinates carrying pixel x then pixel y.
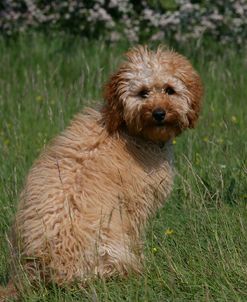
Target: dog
{"type": "Point", "coordinates": [88, 197]}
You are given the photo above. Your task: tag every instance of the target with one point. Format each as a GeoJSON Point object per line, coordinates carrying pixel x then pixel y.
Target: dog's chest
{"type": "Point", "coordinates": [142, 174]}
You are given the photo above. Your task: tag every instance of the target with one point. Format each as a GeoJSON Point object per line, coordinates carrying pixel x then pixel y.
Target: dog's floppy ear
{"type": "Point", "coordinates": [196, 94]}
{"type": "Point", "coordinates": [113, 110]}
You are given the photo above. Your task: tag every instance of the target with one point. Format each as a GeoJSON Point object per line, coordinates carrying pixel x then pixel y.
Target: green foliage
{"type": "Point", "coordinates": [196, 245]}
{"type": "Point", "coordinates": [163, 4]}
{"type": "Point", "coordinates": [132, 20]}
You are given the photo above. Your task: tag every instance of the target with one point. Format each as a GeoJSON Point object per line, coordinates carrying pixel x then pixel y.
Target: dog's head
{"type": "Point", "coordinates": [156, 95]}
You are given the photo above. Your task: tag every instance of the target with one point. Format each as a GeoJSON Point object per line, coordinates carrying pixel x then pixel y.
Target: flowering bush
{"type": "Point", "coordinates": [180, 20]}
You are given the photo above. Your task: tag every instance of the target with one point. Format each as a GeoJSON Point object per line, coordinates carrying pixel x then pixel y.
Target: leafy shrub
{"type": "Point", "coordinates": [179, 20]}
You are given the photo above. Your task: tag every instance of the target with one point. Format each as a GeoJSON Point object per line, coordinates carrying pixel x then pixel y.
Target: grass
{"type": "Point", "coordinates": [196, 246]}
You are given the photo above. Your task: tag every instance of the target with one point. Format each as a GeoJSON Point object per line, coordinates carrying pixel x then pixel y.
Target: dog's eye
{"type": "Point", "coordinates": [144, 93]}
{"type": "Point", "coordinates": [169, 90]}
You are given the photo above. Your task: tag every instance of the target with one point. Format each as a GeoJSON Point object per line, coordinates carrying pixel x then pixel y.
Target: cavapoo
{"type": "Point", "coordinates": [89, 195]}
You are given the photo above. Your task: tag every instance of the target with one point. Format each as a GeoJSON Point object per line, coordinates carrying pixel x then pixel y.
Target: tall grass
{"type": "Point", "coordinates": [196, 246]}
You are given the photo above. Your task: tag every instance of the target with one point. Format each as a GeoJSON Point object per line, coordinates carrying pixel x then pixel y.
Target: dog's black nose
{"type": "Point", "coordinates": [159, 115]}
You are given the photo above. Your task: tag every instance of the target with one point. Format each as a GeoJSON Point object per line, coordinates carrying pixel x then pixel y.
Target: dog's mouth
{"type": "Point", "coordinates": [161, 124]}
{"type": "Point", "coordinates": [167, 122]}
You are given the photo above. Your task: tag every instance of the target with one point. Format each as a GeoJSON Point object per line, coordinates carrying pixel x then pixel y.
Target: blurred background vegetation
{"type": "Point", "coordinates": [132, 20]}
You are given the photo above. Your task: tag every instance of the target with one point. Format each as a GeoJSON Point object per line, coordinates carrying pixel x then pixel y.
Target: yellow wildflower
{"type": "Point", "coordinates": [154, 250]}
{"type": "Point", "coordinates": [198, 159]}
{"type": "Point", "coordinates": [234, 119]}
{"type": "Point", "coordinates": [39, 98]}
{"type": "Point", "coordinates": [220, 141]}
{"type": "Point", "coordinates": [169, 232]}
{"type": "Point", "coordinates": [174, 142]}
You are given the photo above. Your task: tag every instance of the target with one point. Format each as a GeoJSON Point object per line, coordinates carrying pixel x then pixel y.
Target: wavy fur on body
{"type": "Point", "coordinates": [88, 197]}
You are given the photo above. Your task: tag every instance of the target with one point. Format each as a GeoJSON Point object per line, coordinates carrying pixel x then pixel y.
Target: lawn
{"type": "Point", "coordinates": [196, 246]}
